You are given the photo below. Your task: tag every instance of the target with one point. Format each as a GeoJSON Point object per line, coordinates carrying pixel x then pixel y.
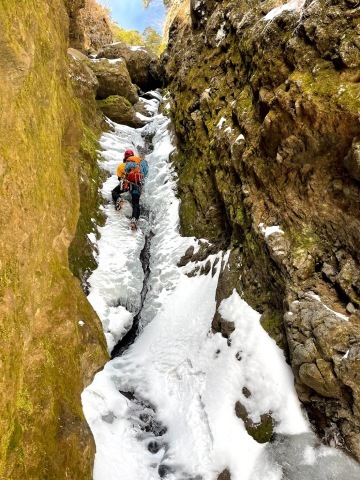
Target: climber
{"type": "Point", "coordinates": [136, 170]}
{"type": "Point", "coordinates": [122, 185]}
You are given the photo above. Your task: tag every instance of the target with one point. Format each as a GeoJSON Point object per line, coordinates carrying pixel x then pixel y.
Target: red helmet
{"type": "Point", "coordinates": [128, 153]}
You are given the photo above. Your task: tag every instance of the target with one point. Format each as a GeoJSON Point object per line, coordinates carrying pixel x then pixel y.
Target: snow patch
{"type": "Point", "coordinates": [143, 118]}
{"type": "Point", "coordinates": [110, 60]}
{"type": "Point", "coordinates": [295, 5]}
{"type": "Point", "coordinates": [267, 231]}
{"type": "Point", "coordinates": [221, 34]}
{"type": "Point", "coordinates": [221, 122]}
{"type": "Point", "coordinates": [240, 137]}
{"type": "Point", "coordinates": [138, 48]}
{"type": "Point", "coordinates": [92, 237]}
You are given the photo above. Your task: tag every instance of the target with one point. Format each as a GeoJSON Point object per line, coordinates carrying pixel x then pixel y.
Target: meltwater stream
{"type": "Point", "coordinates": [166, 407]}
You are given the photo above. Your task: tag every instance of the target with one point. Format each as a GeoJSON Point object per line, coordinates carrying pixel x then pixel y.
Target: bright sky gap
{"type": "Point", "coordinates": [131, 15]}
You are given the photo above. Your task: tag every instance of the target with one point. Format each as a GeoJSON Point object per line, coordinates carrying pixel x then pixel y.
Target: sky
{"type": "Point", "coordinates": [131, 15]}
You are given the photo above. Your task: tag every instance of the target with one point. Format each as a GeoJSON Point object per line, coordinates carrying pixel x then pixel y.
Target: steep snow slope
{"type": "Point", "coordinates": [166, 407]}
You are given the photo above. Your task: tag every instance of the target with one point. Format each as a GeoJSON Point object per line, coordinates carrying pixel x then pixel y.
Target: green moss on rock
{"type": "Point", "coordinates": [46, 360]}
{"type": "Point", "coordinates": [262, 431]}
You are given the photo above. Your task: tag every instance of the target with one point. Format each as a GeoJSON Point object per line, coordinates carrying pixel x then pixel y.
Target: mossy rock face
{"type": "Point", "coordinates": [85, 84]}
{"type": "Point", "coordinates": [269, 135]}
{"type": "Point", "coordinates": [272, 321]}
{"type": "Point", "coordinates": [81, 250]}
{"type": "Point", "coordinates": [47, 357]}
{"type": "Point", "coordinates": [114, 79]}
{"type": "Point", "coordinates": [120, 110]}
{"type": "Point", "coordinates": [262, 431]}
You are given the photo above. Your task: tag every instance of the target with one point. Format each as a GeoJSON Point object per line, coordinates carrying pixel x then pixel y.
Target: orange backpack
{"type": "Point", "coordinates": [135, 175]}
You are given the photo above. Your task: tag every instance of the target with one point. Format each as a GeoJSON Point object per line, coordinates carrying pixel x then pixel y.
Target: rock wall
{"type": "Point", "coordinates": [51, 340]}
{"type": "Point", "coordinates": [266, 115]}
{"type": "Point", "coordinates": [90, 27]}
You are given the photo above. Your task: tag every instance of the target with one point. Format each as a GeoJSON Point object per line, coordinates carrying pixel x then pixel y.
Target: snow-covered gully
{"type": "Point", "coordinates": [128, 339]}
{"type": "Point", "coordinates": [166, 406]}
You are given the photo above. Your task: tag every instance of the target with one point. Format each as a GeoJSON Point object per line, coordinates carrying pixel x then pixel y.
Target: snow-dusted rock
{"type": "Point", "coordinates": [143, 65]}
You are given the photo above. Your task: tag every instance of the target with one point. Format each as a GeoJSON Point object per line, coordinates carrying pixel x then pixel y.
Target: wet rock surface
{"type": "Point", "coordinates": [225, 475]}
{"type": "Point", "coordinates": [266, 117]}
{"type": "Point", "coordinates": [352, 160]}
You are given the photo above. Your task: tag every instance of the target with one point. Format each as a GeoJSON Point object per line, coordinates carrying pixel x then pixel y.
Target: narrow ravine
{"type": "Point", "coordinates": [128, 339]}
{"type": "Point", "coordinates": [166, 406]}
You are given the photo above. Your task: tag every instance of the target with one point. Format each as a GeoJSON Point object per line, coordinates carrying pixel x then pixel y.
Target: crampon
{"type": "Point", "coordinates": [133, 224]}
{"type": "Point", "coordinates": [119, 203]}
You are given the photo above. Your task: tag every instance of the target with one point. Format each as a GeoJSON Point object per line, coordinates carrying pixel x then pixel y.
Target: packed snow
{"type": "Point", "coordinates": [166, 407]}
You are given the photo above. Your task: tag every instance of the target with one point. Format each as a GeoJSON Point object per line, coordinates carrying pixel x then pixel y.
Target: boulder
{"type": "Point", "coordinates": [143, 65]}
{"type": "Point", "coordinates": [77, 55]}
{"type": "Point", "coordinates": [82, 77]}
{"type": "Point", "coordinates": [141, 108]}
{"type": "Point", "coordinates": [320, 378]}
{"type": "Point", "coordinates": [120, 110]}
{"type": "Point", "coordinates": [114, 79]}
{"type": "Point", "coordinates": [352, 160]}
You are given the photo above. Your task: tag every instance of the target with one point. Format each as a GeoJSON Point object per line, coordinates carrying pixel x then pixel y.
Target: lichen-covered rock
{"type": "Point", "coordinates": [266, 115]}
{"type": "Point", "coordinates": [143, 65]}
{"type": "Point", "coordinates": [120, 110]}
{"type": "Point", "coordinates": [114, 79]}
{"type": "Point", "coordinates": [47, 355]}
{"type": "Point", "coordinates": [90, 25]}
